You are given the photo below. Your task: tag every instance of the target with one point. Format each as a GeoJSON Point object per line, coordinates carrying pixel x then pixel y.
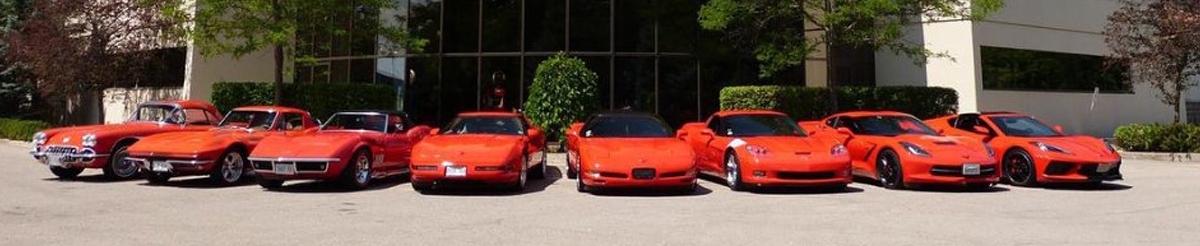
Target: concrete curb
{"type": "Point", "coordinates": [1156, 156]}
{"type": "Point", "coordinates": [17, 143]}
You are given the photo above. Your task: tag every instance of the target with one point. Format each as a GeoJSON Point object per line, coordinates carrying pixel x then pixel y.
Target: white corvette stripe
{"type": "Point", "coordinates": [736, 143]}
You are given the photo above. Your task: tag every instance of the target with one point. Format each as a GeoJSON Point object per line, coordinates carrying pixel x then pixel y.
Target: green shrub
{"type": "Point", "coordinates": [321, 100]}
{"type": "Point", "coordinates": [811, 103]}
{"type": "Point", "coordinates": [1170, 137]}
{"type": "Point", "coordinates": [21, 130]}
{"type": "Point", "coordinates": [563, 91]}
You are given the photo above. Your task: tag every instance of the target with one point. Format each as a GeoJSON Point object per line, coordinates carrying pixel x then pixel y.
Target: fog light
{"type": "Point", "coordinates": [424, 168]}
{"type": "Point", "coordinates": [760, 174]}
{"type": "Point", "coordinates": [88, 155]}
{"type": "Point", "coordinates": [492, 168]}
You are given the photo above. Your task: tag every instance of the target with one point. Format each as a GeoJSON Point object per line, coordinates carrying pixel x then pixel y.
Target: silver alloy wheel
{"type": "Point", "coordinates": [731, 170]}
{"type": "Point", "coordinates": [363, 173]}
{"type": "Point", "coordinates": [124, 169]}
{"type": "Point", "coordinates": [524, 173]}
{"type": "Point", "coordinates": [545, 163]}
{"type": "Point", "coordinates": [885, 172]}
{"type": "Point", "coordinates": [232, 170]}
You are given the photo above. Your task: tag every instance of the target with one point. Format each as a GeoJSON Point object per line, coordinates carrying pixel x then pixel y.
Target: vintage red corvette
{"type": "Point", "coordinates": [481, 147]}
{"type": "Point", "coordinates": [353, 147]}
{"type": "Point", "coordinates": [1033, 152]}
{"type": "Point", "coordinates": [899, 150]}
{"type": "Point", "coordinates": [220, 152]}
{"type": "Point", "coordinates": [69, 150]}
{"type": "Point", "coordinates": [766, 148]}
{"type": "Point", "coordinates": [629, 150]}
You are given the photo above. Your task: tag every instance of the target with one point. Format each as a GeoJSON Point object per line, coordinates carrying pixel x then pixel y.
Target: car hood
{"type": "Point", "coordinates": [311, 145]}
{"type": "Point", "coordinates": [1083, 146]}
{"type": "Point", "coordinates": [793, 146]}
{"type": "Point", "coordinates": [626, 153]}
{"type": "Point", "coordinates": [967, 148]}
{"type": "Point", "coordinates": [173, 143]}
{"type": "Point", "coordinates": [488, 149]}
{"type": "Point", "coordinates": [105, 133]}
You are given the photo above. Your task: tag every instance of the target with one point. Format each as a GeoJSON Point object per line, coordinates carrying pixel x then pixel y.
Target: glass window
{"type": "Point", "coordinates": [590, 25]}
{"type": "Point", "coordinates": [364, 26]}
{"type": "Point", "coordinates": [678, 103]}
{"type": "Point", "coordinates": [462, 26]}
{"type": "Point", "coordinates": [362, 71]}
{"type": "Point", "coordinates": [627, 126]}
{"type": "Point", "coordinates": [501, 25]}
{"type": "Point", "coordinates": [677, 25]}
{"type": "Point", "coordinates": [1015, 69]}
{"type": "Point", "coordinates": [760, 125]}
{"type": "Point", "coordinates": [634, 84]}
{"type": "Point", "coordinates": [424, 21]}
{"type": "Point", "coordinates": [544, 25]}
{"type": "Point", "coordinates": [292, 122]}
{"type": "Point", "coordinates": [339, 71]}
{"type": "Point", "coordinates": [888, 126]}
{"type": "Point", "coordinates": [602, 66]}
{"type": "Point", "coordinates": [422, 89]}
{"type": "Point", "coordinates": [1023, 126]}
{"type": "Point", "coordinates": [197, 117]}
{"type": "Point", "coordinates": [158, 113]}
{"type": "Point", "coordinates": [485, 125]}
{"type": "Point", "coordinates": [356, 121]}
{"type": "Point", "coordinates": [460, 86]}
{"type": "Point", "coordinates": [634, 25]}
{"type": "Point", "coordinates": [501, 83]}
{"type": "Point", "coordinates": [255, 120]}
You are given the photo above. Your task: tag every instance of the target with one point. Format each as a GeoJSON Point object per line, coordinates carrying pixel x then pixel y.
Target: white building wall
{"type": "Point", "coordinates": [201, 73]}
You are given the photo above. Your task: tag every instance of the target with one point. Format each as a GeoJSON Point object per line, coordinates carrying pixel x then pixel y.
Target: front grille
{"type": "Point", "coordinates": [805, 175]}
{"type": "Point", "coordinates": [673, 174]}
{"type": "Point", "coordinates": [957, 171]}
{"type": "Point", "coordinates": [310, 166]}
{"type": "Point", "coordinates": [61, 150]}
{"type": "Point", "coordinates": [613, 175]}
{"type": "Point", "coordinates": [1060, 168]}
{"type": "Point", "coordinates": [643, 173]}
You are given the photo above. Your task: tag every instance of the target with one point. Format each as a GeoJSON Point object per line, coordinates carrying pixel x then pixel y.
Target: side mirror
{"type": "Point", "coordinates": [1058, 128]}
{"type": "Point", "coordinates": [681, 134]}
{"type": "Point", "coordinates": [533, 132]}
{"type": "Point", "coordinates": [435, 131]}
{"type": "Point", "coordinates": [706, 132]}
{"type": "Point", "coordinates": [845, 131]}
{"type": "Point", "coordinates": [398, 128]}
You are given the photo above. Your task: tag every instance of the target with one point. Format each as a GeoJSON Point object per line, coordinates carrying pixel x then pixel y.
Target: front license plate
{"type": "Point", "coordinates": [285, 168]}
{"type": "Point", "coordinates": [160, 166]}
{"type": "Point", "coordinates": [971, 169]}
{"type": "Point", "coordinates": [456, 171]}
{"type": "Point", "coordinates": [54, 161]}
{"type": "Point", "coordinates": [1104, 167]}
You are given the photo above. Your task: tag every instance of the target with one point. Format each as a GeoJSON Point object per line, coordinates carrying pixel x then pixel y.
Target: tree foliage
{"type": "Point", "coordinates": [564, 91]}
{"type": "Point", "coordinates": [16, 90]}
{"type": "Point", "coordinates": [1161, 39]}
{"type": "Point", "coordinates": [240, 27]}
{"type": "Point", "coordinates": [774, 30]}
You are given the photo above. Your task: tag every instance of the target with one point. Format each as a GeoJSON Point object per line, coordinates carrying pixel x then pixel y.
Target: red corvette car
{"type": "Point", "coordinates": [352, 147]}
{"type": "Point", "coordinates": [765, 148]}
{"type": "Point", "coordinates": [221, 152]}
{"type": "Point", "coordinates": [628, 149]}
{"type": "Point", "coordinates": [69, 150]}
{"type": "Point", "coordinates": [487, 147]}
{"type": "Point", "coordinates": [1033, 152]}
{"type": "Point", "coordinates": [899, 150]}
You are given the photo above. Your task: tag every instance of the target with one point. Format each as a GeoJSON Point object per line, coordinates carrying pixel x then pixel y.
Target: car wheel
{"type": "Point", "coordinates": [357, 173]}
{"type": "Point", "coordinates": [422, 186]}
{"type": "Point", "coordinates": [580, 186]}
{"type": "Point", "coordinates": [229, 169]}
{"type": "Point", "coordinates": [889, 170]}
{"type": "Point", "coordinates": [733, 172]}
{"type": "Point", "coordinates": [572, 172]}
{"type": "Point", "coordinates": [523, 176]}
{"type": "Point", "coordinates": [118, 168]}
{"type": "Point", "coordinates": [269, 183]}
{"type": "Point", "coordinates": [66, 172]}
{"type": "Point", "coordinates": [157, 178]}
{"type": "Point", "coordinates": [540, 171]}
{"type": "Point", "coordinates": [1019, 169]}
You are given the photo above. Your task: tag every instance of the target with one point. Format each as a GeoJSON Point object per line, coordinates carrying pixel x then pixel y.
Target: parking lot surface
{"type": "Point", "coordinates": [1157, 204]}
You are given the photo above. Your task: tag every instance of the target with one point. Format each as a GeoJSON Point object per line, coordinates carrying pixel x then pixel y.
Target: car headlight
{"type": "Point", "coordinates": [838, 150]}
{"type": "Point", "coordinates": [756, 150]}
{"type": "Point", "coordinates": [1050, 148]}
{"type": "Point", "coordinates": [991, 152]}
{"type": "Point", "coordinates": [88, 140]}
{"type": "Point", "coordinates": [39, 138]}
{"type": "Point", "coordinates": [914, 149]}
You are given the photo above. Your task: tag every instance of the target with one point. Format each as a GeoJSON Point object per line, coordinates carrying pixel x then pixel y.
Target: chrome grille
{"type": "Point", "coordinates": [61, 150]}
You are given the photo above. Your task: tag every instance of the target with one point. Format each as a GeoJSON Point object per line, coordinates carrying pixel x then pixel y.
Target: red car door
{"type": "Point", "coordinates": [397, 144]}
{"type": "Point", "coordinates": [714, 148]}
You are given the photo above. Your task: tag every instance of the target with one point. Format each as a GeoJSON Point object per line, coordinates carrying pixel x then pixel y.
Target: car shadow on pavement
{"type": "Point", "coordinates": [786, 190]}
{"type": "Point", "coordinates": [1087, 187]}
{"type": "Point", "coordinates": [553, 174]}
{"type": "Point", "coordinates": [936, 188]}
{"type": "Point", "coordinates": [98, 178]}
{"type": "Point", "coordinates": [200, 182]}
{"type": "Point", "coordinates": [319, 186]}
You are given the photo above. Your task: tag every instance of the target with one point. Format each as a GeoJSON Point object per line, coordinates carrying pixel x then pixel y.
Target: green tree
{"type": "Point", "coordinates": [239, 27]}
{"type": "Point", "coordinates": [774, 30]}
{"type": "Point", "coordinates": [16, 91]}
{"type": "Point", "coordinates": [563, 91]}
{"type": "Point", "coordinates": [1161, 40]}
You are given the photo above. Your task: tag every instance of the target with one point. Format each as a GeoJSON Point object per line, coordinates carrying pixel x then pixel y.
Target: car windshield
{"type": "Point", "coordinates": [485, 125]}
{"type": "Point", "coordinates": [627, 127]}
{"type": "Point", "coordinates": [760, 125]}
{"type": "Point", "coordinates": [255, 120]}
{"type": "Point", "coordinates": [159, 113]}
{"type": "Point", "coordinates": [357, 121]}
{"type": "Point", "coordinates": [889, 126]}
{"type": "Point", "coordinates": [1023, 126]}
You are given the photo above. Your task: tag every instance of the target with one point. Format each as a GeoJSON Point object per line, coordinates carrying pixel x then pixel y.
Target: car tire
{"type": "Point", "coordinates": [157, 178]}
{"type": "Point", "coordinates": [889, 171]}
{"type": "Point", "coordinates": [522, 177]}
{"type": "Point", "coordinates": [356, 174]}
{"type": "Point", "coordinates": [733, 172]}
{"type": "Point", "coordinates": [1019, 169]}
{"type": "Point", "coordinates": [66, 172]}
{"type": "Point", "coordinates": [422, 187]}
{"type": "Point", "coordinates": [540, 171]}
{"type": "Point", "coordinates": [581, 187]}
{"type": "Point", "coordinates": [117, 168]}
{"type": "Point", "coordinates": [572, 172]}
{"type": "Point", "coordinates": [229, 169]}
{"type": "Point", "coordinates": [269, 184]}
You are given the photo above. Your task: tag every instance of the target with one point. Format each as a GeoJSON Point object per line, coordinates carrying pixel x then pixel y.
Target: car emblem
{"type": "Point", "coordinates": [66, 140]}
{"type": "Point", "coordinates": [642, 160]}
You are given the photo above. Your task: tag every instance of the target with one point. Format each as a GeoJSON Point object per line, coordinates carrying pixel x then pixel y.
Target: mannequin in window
{"type": "Point", "coordinates": [495, 96]}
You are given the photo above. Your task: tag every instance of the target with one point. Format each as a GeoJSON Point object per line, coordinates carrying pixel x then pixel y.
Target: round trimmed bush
{"type": "Point", "coordinates": [563, 91]}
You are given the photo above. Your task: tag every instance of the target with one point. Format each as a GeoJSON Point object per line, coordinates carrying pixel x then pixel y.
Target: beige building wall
{"type": "Point", "coordinates": [201, 73]}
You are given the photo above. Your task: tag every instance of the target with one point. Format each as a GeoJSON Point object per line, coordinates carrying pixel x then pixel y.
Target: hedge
{"type": "Point", "coordinates": [321, 100]}
{"type": "Point", "coordinates": [563, 91]}
{"type": "Point", "coordinates": [21, 130]}
{"type": "Point", "coordinates": [811, 103]}
{"type": "Point", "coordinates": [1170, 137]}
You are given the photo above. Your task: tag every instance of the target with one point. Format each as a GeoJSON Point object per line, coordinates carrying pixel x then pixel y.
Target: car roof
{"type": "Point", "coordinates": [747, 112]}
{"type": "Point", "coordinates": [624, 113]}
{"type": "Point", "coordinates": [490, 113]}
{"type": "Point", "coordinates": [270, 108]}
{"type": "Point", "coordinates": [870, 113]}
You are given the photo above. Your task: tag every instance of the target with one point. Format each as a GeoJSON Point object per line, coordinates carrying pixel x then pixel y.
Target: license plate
{"type": "Point", "coordinates": [285, 168]}
{"type": "Point", "coordinates": [971, 169]}
{"type": "Point", "coordinates": [456, 171]}
{"type": "Point", "coordinates": [160, 166]}
{"type": "Point", "coordinates": [54, 161]}
{"type": "Point", "coordinates": [1104, 167]}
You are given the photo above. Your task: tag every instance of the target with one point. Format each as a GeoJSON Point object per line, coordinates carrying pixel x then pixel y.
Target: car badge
{"type": "Point", "coordinates": [641, 160]}
{"type": "Point", "coordinates": [66, 140]}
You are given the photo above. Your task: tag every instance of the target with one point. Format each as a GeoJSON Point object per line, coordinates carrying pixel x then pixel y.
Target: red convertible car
{"type": "Point", "coordinates": [899, 150]}
{"type": "Point", "coordinates": [221, 152]}
{"type": "Point", "coordinates": [629, 149]}
{"type": "Point", "coordinates": [69, 150]}
{"type": "Point", "coordinates": [486, 147]}
{"type": "Point", "coordinates": [765, 148]}
{"type": "Point", "coordinates": [1033, 152]}
{"type": "Point", "coordinates": [352, 147]}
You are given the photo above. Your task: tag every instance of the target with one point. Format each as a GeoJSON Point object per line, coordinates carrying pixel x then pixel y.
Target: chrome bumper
{"type": "Point", "coordinates": [145, 163]}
